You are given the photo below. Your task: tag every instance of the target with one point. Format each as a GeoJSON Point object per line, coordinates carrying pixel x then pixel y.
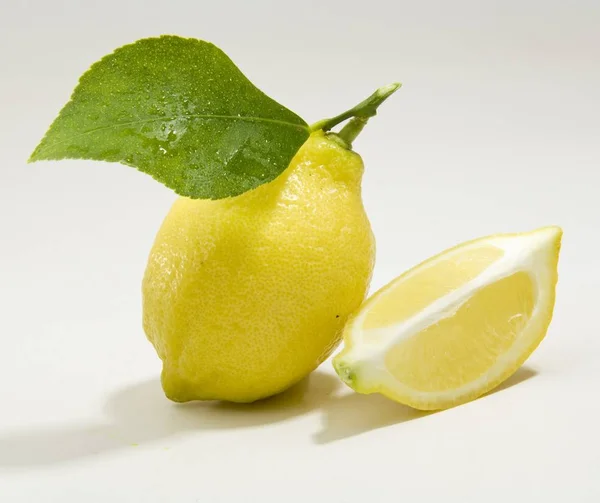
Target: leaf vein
{"type": "Point", "coordinates": [190, 116]}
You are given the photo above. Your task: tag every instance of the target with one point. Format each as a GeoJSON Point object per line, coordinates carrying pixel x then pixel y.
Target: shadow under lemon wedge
{"type": "Point", "coordinates": [457, 325]}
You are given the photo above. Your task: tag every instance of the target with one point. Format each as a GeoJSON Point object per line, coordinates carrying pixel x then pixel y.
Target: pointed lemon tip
{"type": "Point", "coordinates": [344, 371]}
{"type": "Point", "coordinates": [551, 235]}
{"type": "Point", "coordinates": [543, 236]}
{"type": "Point", "coordinates": [552, 230]}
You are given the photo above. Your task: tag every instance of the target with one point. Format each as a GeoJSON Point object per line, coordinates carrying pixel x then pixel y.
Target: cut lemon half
{"type": "Point", "coordinates": [457, 325]}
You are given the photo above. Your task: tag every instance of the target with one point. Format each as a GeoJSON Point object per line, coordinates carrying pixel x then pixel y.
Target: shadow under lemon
{"type": "Point", "coordinates": [140, 414]}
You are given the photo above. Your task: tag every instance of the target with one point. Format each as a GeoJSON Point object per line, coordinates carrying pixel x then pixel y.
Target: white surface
{"type": "Point", "coordinates": [496, 129]}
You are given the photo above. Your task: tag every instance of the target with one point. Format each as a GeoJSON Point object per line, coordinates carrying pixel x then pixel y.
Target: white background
{"type": "Point", "coordinates": [496, 129]}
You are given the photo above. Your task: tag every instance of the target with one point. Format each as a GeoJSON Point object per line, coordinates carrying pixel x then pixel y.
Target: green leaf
{"type": "Point", "coordinates": [181, 111]}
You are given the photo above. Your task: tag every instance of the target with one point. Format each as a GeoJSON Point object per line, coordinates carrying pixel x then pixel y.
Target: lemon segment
{"type": "Point", "coordinates": [440, 278]}
{"type": "Point", "coordinates": [457, 325]}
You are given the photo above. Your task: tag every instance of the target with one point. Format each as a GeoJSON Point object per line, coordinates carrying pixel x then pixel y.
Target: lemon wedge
{"type": "Point", "coordinates": [457, 325]}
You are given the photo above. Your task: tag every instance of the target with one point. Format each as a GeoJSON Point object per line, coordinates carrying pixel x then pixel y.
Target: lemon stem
{"type": "Point", "coordinates": [351, 130]}
{"type": "Point", "coordinates": [358, 115]}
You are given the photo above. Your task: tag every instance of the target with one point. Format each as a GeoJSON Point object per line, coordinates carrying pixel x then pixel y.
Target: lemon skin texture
{"type": "Point", "coordinates": [243, 297]}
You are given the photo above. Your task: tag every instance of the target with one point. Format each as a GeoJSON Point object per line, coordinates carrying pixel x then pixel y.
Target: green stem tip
{"type": "Point", "coordinates": [358, 114]}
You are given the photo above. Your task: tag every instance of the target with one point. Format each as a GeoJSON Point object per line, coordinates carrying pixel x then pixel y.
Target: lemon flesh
{"type": "Point", "coordinates": [457, 325]}
{"type": "Point", "coordinates": [243, 297]}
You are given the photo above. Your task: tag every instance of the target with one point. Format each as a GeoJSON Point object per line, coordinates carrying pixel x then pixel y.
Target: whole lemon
{"type": "Point", "coordinates": [245, 296]}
